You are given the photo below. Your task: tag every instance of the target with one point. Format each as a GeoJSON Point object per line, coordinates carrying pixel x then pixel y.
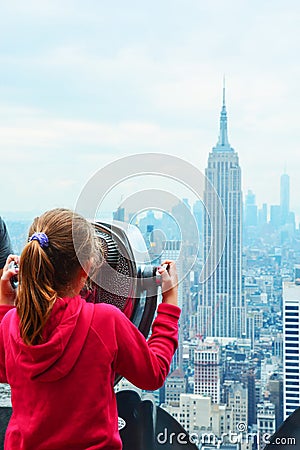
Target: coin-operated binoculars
{"type": "Point", "coordinates": [126, 278]}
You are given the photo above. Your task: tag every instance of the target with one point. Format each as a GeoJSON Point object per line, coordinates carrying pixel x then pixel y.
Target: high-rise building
{"type": "Point", "coordinates": [222, 311]}
{"type": "Point", "coordinates": [172, 251]}
{"type": "Point", "coordinates": [250, 210]}
{"type": "Point", "coordinates": [291, 342]}
{"type": "Point", "coordinates": [266, 422]}
{"type": "Point", "coordinates": [275, 390]}
{"type": "Point", "coordinates": [207, 379]}
{"type": "Point", "coordinates": [284, 198]}
{"type": "Point", "coordinates": [174, 386]}
{"type": "Point", "coordinates": [275, 216]}
{"type": "Point", "coordinates": [119, 214]}
{"type": "Point", "coordinates": [250, 380]}
{"type": "Point", "coordinates": [254, 323]}
{"type": "Point", "coordinates": [263, 215]}
{"type": "Point", "coordinates": [198, 215]}
{"type": "Point", "coordinates": [202, 418]}
{"type": "Point", "coordinates": [237, 400]}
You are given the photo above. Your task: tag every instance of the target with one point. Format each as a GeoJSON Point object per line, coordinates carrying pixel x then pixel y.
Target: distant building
{"type": "Point", "coordinates": [184, 216]}
{"type": "Point", "coordinates": [119, 214]}
{"type": "Point", "coordinates": [124, 385]}
{"type": "Point", "coordinates": [200, 417]}
{"type": "Point", "coordinates": [198, 214]}
{"type": "Point", "coordinates": [266, 423]}
{"type": "Point", "coordinates": [237, 400]}
{"type": "Point", "coordinates": [275, 216]}
{"type": "Point", "coordinates": [263, 215]}
{"type": "Point", "coordinates": [222, 311]}
{"type": "Point", "coordinates": [254, 324]}
{"type": "Point", "coordinates": [193, 412]}
{"type": "Point", "coordinates": [207, 371]}
{"type": "Point", "coordinates": [250, 379]}
{"type": "Point", "coordinates": [172, 251]}
{"type": "Point", "coordinates": [148, 224]}
{"type": "Point", "coordinates": [250, 210]}
{"type": "Point", "coordinates": [275, 389]}
{"type": "Point", "coordinates": [278, 346]}
{"type": "Point", "coordinates": [284, 198]}
{"type": "Point", "coordinates": [174, 386]}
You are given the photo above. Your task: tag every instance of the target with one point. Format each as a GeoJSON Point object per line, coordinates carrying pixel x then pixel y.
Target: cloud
{"type": "Point", "coordinates": [82, 84]}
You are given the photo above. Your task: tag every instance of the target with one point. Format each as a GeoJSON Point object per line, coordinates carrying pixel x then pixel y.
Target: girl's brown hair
{"type": "Point", "coordinates": [48, 272]}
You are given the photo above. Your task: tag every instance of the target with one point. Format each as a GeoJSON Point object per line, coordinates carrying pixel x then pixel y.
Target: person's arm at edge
{"type": "Point", "coordinates": [7, 301]}
{"type": "Point", "coordinates": [5, 245]}
{"type": "Point", "coordinates": [7, 293]}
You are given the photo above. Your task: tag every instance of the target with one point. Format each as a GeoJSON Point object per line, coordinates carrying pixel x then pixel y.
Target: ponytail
{"type": "Point", "coordinates": [36, 291]}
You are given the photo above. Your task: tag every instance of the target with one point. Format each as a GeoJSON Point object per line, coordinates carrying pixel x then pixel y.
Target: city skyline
{"type": "Point", "coordinates": [236, 379]}
{"type": "Point", "coordinates": [83, 85]}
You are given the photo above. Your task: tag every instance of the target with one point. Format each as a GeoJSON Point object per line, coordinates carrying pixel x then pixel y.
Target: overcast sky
{"type": "Point", "coordinates": [86, 82]}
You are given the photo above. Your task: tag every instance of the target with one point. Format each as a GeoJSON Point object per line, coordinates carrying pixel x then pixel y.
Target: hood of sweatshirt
{"type": "Point", "coordinates": [64, 336]}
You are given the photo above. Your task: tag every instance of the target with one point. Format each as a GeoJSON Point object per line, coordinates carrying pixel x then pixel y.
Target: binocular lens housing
{"type": "Point", "coordinates": [126, 279]}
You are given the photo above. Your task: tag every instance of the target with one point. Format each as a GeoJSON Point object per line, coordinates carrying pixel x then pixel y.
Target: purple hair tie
{"type": "Point", "coordinates": [41, 237]}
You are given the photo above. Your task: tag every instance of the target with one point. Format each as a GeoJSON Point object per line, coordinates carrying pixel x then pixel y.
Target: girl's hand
{"type": "Point", "coordinates": [169, 279]}
{"type": "Point", "coordinates": [7, 292]}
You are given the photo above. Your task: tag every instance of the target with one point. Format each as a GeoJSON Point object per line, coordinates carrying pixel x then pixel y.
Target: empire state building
{"type": "Point", "coordinates": [222, 310]}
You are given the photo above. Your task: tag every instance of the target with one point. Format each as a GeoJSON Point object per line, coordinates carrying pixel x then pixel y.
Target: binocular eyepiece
{"type": "Point", "coordinates": [126, 258]}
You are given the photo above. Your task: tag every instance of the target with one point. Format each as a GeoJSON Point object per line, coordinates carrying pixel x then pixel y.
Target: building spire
{"type": "Point", "coordinates": [223, 136]}
{"type": "Point", "coordinates": [223, 143]}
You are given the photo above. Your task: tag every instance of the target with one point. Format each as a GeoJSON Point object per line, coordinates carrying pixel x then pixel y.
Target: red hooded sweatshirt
{"type": "Point", "coordinates": [62, 390]}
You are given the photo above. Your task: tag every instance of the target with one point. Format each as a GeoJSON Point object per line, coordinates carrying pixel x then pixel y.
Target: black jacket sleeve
{"type": "Point", "coordinates": [5, 244]}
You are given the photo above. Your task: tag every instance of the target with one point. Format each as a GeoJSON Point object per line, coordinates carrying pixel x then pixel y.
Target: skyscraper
{"type": "Point", "coordinates": [237, 399]}
{"type": "Point", "coordinates": [291, 342]}
{"type": "Point", "coordinates": [250, 210]}
{"type": "Point", "coordinates": [284, 198]}
{"type": "Point", "coordinates": [222, 311]}
{"type": "Point", "coordinates": [263, 215]}
{"type": "Point", "coordinates": [266, 422]}
{"type": "Point", "coordinates": [172, 251]}
{"type": "Point", "coordinates": [207, 371]}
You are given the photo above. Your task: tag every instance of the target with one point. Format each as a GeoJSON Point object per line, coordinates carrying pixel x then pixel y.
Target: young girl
{"type": "Point", "coordinates": [60, 354]}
